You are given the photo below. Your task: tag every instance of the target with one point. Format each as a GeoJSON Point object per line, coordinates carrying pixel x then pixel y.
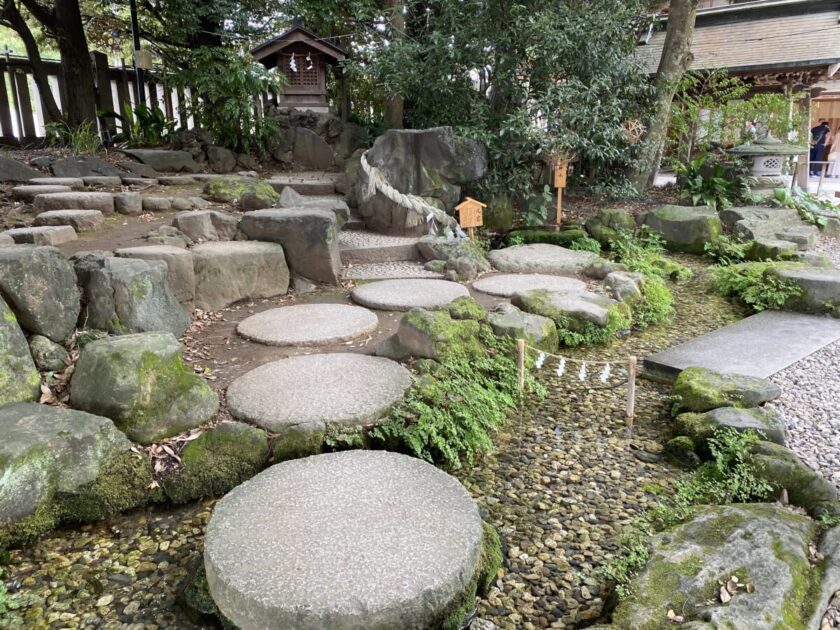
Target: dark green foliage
{"type": "Point", "coordinates": [643, 251]}
{"type": "Point", "coordinates": [656, 306]}
{"type": "Point", "coordinates": [564, 238]}
{"type": "Point", "coordinates": [708, 180]}
{"type": "Point", "coordinates": [573, 333]}
{"type": "Point", "coordinates": [756, 285]}
{"type": "Point", "coordinates": [810, 207]}
{"type": "Point", "coordinates": [586, 244]}
{"type": "Point", "coordinates": [141, 125]}
{"type": "Point", "coordinates": [449, 415]}
{"type": "Point", "coordinates": [726, 250]}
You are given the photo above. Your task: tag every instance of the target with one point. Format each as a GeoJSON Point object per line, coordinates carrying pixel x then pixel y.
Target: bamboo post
{"type": "Point", "coordinates": [520, 344]}
{"type": "Point", "coordinates": [631, 391]}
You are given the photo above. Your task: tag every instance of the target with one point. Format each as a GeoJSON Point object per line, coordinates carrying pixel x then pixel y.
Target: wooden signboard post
{"type": "Point", "coordinates": [561, 169]}
{"type": "Point", "coordinates": [471, 215]}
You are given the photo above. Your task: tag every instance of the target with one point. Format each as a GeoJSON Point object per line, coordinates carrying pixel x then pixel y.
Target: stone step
{"type": "Point", "coordinates": [105, 181]}
{"type": "Point", "coordinates": [389, 271]}
{"type": "Point", "coordinates": [305, 183]}
{"type": "Point", "coordinates": [102, 201]}
{"type": "Point", "coordinates": [43, 235]}
{"type": "Point", "coordinates": [361, 247]}
{"type": "Point", "coordinates": [79, 220]}
{"type": "Point", "coordinates": [76, 183]}
{"type": "Point", "coordinates": [28, 192]}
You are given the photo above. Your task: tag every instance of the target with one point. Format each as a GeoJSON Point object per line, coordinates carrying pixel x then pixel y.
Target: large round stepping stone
{"type": "Point", "coordinates": [541, 258]}
{"type": "Point", "coordinates": [510, 284]}
{"type": "Point", "coordinates": [404, 295]}
{"type": "Point", "coordinates": [349, 389]}
{"type": "Point", "coordinates": [352, 540]}
{"type": "Point", "coordinates": [308, 324]}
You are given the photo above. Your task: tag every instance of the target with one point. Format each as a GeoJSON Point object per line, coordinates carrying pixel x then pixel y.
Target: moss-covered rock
{"type": "Point", "coordinates": [563, 238]}
{"type": "Point", "coordinates": [48, 355]}
{"type": "Point", "coordinates": [683, 228]}
{"type": "Point", "coordinates": [217, 461]}
{"type": "Point", "coordinates": [538, 332]}
{"type": "Point", "coordinates": [680, 451]}
{"type": "Point", "coordinates": [19, 379]}
{"type": "Point", "coordinates": [608, 223]}
{"type": "Point", "coordinates": [699, 389]}
{"type": "Point", "coordinates": [433, 335]}
{"type": "Point", "coordinates": [767, 423]}
{"type": "Point", "coordinates": [194, 598]}
{"type": "Point", "coordinates": [467, 308]}
{"type": "Point", "coordinates": [141, 383]}
{"type": "Point", "coordinates": [296, 442]}
{"type": "Point", "coordinates": [783, 469]}
{"type": "Point", "coordinates": [59, 465]}
{"type": "Point", "coordinates": [238, 190]}
{"type": "Point", "coordinates": [455, 251]}
{"type": "Point", "coordinates": [761, 544]}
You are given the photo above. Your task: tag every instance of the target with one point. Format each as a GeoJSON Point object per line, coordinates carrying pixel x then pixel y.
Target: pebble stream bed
{"type": "Point", "coordinates": [564, 480]}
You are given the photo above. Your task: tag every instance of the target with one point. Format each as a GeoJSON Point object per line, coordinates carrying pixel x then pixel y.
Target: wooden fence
{"type": "Point", "coordinates": [22, 110]}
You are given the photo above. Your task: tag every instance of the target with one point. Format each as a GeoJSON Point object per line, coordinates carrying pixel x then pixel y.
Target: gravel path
{"type": "Point", "coordinates": [809, 398]}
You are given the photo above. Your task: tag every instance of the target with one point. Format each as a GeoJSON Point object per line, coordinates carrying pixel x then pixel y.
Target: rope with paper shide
{"type": "Point", "coordinates": [586, 370]}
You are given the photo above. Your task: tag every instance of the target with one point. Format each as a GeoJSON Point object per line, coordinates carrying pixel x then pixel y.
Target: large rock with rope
{"type": "Point", "coordinates": [410, 174]}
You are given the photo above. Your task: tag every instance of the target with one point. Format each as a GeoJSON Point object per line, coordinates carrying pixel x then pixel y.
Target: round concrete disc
{"type": "Point", "coordinates": [509, 284]}
{"type": "Point", "coordinates": [357, 539]}
{"type": "Point", "coordinates": [404, 295]}
{"type": "Point", "coordinates": [308, 324]}
{"type": "Point", "coordinates": [310, 391]}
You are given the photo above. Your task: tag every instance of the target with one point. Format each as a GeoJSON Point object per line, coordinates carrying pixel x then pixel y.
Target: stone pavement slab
{"type": "Point", "coordinates": [404, 295]}
{"type": "Point", "coordinates": [389, 271]}
{"type": "Point", "coordinates": [43, 235]}
{"type": "Point", "coordinates": [506, 285]}
{"type": "Point", "coordinates": [362, 247]}
{"type": "Point", "coordinates": [343, 541]}
{"type": "Point", "coordinates": [308, 324]}
{"type": "Point", "coordinates": [759, 345]}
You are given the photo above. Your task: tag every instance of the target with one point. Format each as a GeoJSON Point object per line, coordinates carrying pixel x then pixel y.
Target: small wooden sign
{"type": "Point", "coordinates": [561, 168]}
{"type": "Point", "coordinates": [471, 214]}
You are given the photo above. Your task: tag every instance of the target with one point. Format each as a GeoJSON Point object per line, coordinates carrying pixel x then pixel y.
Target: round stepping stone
{"type": "Point", "coordinates": [510, 284]}
{"type": "Point", "coordinates": [350, 389]}
{"type": "Point", "coordinates": [79, 220]}
{"type": "Point", "coordinates": [404, 295]}
{"type": "Point", "coordinates": [308, 324]}
{"type": "Point", "coordinates": [27, 192]}
{"type": "Point", "coordinates": [358, 539]}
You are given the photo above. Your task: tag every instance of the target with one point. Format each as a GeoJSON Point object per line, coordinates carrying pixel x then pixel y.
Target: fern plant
{"type": "Point", "coordinates": [756, 285]}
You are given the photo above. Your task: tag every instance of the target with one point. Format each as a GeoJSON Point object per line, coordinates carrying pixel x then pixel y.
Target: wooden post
{"type": "Point", "coordinates": [520, 344]}
{"type": "Point", "coordinates": [561, 166]}
{"type": "Point", "coordinates": [631, 391]}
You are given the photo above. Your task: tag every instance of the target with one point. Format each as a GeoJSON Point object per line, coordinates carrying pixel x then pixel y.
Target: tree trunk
{"type": "Point", "coordinates": [676, 58]}
{"type": "Point", "coordinates": [395, 105]}
{"type": "Point", "coordinates": [10, 14]}
{"type": "Point", "coordinates": [76, 66]}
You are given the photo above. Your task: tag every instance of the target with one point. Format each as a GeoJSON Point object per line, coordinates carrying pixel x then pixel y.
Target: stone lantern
{"type": "Point", "coordinates": [769, 156]}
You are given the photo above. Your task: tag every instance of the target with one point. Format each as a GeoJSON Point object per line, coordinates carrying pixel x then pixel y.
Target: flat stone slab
{"type": "Point", "coordinates": [79, 220]}
{"type": "Point", "coordinates": [76, 183]}
{"type": "Point", "coordinates": [541, 258]}
{"type": "Point", "coordinates": [307, 392]}
{"type": "Point", "coordinates": [350, 540]}
{"type": "Point", "coordinates": [305, 183]}
{"type": "Point", "coordinates": [361, 247]}
{"type": "Point", "coordinates": [102, 201]}
{"type": "Point", "coordinates": [404, 295]}
{"type": "Point", "coordinates": [43, 235]}
{"type": "Point", "coordinates": [308, 324]}
{"type": "Point", "coordinates": [759, 345]}
{"type": "Point", "coordinates": [510, 284]}
{"type": "Point", "coordinates": [27, 192]}
{"type": "Point", "coordinates": [389, 270]}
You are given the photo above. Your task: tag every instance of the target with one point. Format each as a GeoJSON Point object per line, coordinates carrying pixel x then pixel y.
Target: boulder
{"type": "Point", "coordinates": [352, 138]}
{"type": "Point", "coordinates": [43, 235]}
{"type": "Point", "coordinates": [699, 389]}
{"type": "Point", "coordinates": [82, 166]}
{"type": "Point", "coordinates": [820, 288]}
{"type": "Point", "coordinates": [625, 286]}
{"type": "Point", "coordinates": [783, 469]}
{"type": "Point", "coordinates": [28, 192]}
{"type": "Point", "coordinates": [128, 203]}
{"type": "Point", "coordinates": [103, 181]}
{"type": "Point", "coordinates": [540, 332]}
{"type": "Point", "coordinates": [220, 159]}
{"type": "Point", "coordinates": [608, 223]}
{"type": "Point", "coordinates": [79, 220]}
{"type": "Point", "coordinates": [309, 238]}
{"type": "Point", "coordinates": [177, 180]}
{"type": "Point", "coordinates": [291, 199]}
{"type": "Point", "coordinates": [217, 461]}
{"type": "Point", "coordinates": [229, 271]}
{"type": "Point", "coordinates": [13, 171]}
{"type": "Point", "coordinates": [48, 355]}
{"type": "Point", "coordinates": [39, 285]}
{"type": "Point", "coordinates": [684, 228]}
{"type": "Point", "coordinates": [19, 380]}
{"type": "Point", "coordinates": [460, 254]}
{"type": "Point", "coordinates": [207, 225]}
{"type": "Point", "coordinates": [310, 151]}
{"type": "Point", "coordinates": [141, 383]}
{"type": "Point", "coordinates": [830, 549]}
{"type": "Point", "coordinates": [58, 465]}
{"type": "Point", "coordinates": [102, 201]}
{"type": "Point", "coordinates": [433, 335]}
{"type": "Point", "coordinates": [123, 295]}
{"type": "Point", "coordinates": [767, 423]}
{"type": "Point", "coordinates": [763, 545]}
{"type": "Point", "coordinates": [179, 263]}
{"type": "Point", "coordinates": [429, 163]}
{"type": "Point", "coordinates": [233, 189]}
{"type": "Point", "coordinates": [168, 235]}
{"type": "Point", "coordinates": [549, 259]}
{"type": "Point", "coordinates": [165, 161]}
{"type": "Point", "coordinates": [466, 308]}
{"type": "Point", "coordinates": [157, 204]}
{"type": "Point", "coordinates": [769, 225]}
{"type": "Point", "coordinates": [567, 309]}
{"type": "Point", "coordinates": [138, 169]}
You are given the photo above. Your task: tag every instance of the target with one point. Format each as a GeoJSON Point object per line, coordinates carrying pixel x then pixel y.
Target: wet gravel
{"type": "Point", "coordinates": [564, 480]}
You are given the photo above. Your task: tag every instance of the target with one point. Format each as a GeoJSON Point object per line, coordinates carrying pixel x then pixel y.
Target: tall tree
{"type": "Point", "coordinates": [394, 104]}
{"type": "Point", "coordinates": [676, 59]}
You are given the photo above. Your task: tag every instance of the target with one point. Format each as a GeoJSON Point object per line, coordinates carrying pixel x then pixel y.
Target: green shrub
{"type": "Point", "coordinates": [810, 207]}
{"type": "Point", "coordinates": [82, 140]}
{"type": "Point", "coordinates": [449, 415]}
{"type": "Point", "coordinates": [643, 251]}
{"type": "Point", "coordinates": [586, 244]}
{"type": "Point", "coordinates": [574, 334]}
{"type": "Point", "coordinates": [726, 250]}
{"type": "Point", "coordinates": [657, 303]}
{"type": "Point", "coordinates": [710, 181]}
{"type": "Point", "coordinates": [756, 285]}
{"type": "Point", "coordinates": [142, 125]}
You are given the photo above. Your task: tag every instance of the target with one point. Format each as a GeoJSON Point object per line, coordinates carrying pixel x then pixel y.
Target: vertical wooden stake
{"type": "Point", "coordinates": [559, 216]}
{"type": "Point", "coordinates": [631, 391]}
{"type": "Point", "coordinates": [471, 233]}
{"type": "Point", "coordinates": [520, 344]}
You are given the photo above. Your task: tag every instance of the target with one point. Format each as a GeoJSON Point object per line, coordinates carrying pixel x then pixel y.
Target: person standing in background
{"type": "Point", "coordinates": [819, 134]}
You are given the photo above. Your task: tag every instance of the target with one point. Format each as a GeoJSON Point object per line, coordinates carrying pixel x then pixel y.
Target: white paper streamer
{"type": "Point", "coordinates": [606, 373]}
{"type": "Point", "coordinates": [540, 360]}
{"type": "Point", "coordinates": [561, 367]}
{"type": "Point", "coordinates": [582, 373]}
{"type": "Point", "coordinates": [293, 63]}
